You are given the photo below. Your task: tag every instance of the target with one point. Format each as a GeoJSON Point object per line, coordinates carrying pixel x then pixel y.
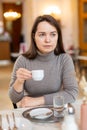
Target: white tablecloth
{"type": "Point", "coordinates": [24, 124]}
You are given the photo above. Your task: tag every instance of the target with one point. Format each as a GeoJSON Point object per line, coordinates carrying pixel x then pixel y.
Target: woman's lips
{"type": "Point", "coordinates": [47, 46]}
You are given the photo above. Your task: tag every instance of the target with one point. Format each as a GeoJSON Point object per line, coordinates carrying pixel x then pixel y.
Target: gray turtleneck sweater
{"type": "Point", "coordinates": [60, 78]}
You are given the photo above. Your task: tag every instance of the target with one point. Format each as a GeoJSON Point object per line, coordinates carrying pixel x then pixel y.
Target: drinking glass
{"type": "Point", "coordinates": [58, 105]}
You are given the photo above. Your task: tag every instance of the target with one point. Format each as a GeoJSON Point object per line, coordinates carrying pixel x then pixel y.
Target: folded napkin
{"type": "Point", "coordinates": [7, 121]}
{"type": "Point", "coordinates": [5, 125]}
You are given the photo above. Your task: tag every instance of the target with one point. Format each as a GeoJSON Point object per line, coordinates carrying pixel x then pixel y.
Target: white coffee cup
{"type": "Point", "coordinates": [37, 75]}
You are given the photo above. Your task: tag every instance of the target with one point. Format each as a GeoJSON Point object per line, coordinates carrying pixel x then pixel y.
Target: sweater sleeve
{"type": "Point", "coordinates": [69, 86]}
{"type": "Point", "coordinates": [15, 96]}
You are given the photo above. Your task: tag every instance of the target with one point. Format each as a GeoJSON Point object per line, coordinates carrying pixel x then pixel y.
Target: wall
{"type": "Point", "coordinates": [40, 6]}
{"type": "Point", "coordinates": [27, 20]}
{"type": "Point", "coordinates": [75, 22]}
{"type": "Point", "coordinates": [69, 18]}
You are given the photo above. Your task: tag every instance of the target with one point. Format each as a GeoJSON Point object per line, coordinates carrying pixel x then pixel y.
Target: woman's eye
{"type": "Point", "coordinates": [42, 34]}
{"type": "Point", "coordinates": [53, 34]}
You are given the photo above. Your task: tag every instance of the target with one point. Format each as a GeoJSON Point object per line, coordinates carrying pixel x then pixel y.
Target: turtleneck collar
{"type": "Point", "coordinates": [46, 57]}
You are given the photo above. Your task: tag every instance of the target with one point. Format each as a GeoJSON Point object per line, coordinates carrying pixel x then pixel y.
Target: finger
{"type": "Point", "coordinates": [24, 72]}
{"type": "Point", "coordinates": [23, 75]}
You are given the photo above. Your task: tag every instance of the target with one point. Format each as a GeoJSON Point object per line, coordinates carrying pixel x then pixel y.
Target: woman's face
{"type": "Point", "coordinates": [46, 37]}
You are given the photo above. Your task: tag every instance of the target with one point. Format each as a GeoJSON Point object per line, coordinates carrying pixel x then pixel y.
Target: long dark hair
{"type": "Point", "coordinates": [32, 52]}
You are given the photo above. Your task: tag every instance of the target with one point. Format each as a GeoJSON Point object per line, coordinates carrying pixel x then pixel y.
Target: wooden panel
{"type": "Point", "coordinates": [4, 51]}
{"type": "Point", "coordinates": [82, 24]}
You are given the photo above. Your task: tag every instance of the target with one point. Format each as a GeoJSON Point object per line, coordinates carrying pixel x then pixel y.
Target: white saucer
{"type": "Point", "coordinates": [41, 113]}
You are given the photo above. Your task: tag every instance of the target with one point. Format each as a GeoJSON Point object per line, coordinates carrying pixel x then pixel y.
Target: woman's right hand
{"type": "Point", "coordinates": [23, 74]}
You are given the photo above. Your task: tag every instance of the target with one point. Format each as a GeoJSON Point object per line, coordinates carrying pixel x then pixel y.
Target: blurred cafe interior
{"type": "Point", "coordinates": [16, 18]}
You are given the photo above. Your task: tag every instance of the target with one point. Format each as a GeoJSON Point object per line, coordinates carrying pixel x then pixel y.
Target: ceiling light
{"type": "Point", "coordinates": [54, 11]}
{"type": "Point", "coordinates": [12, 15]}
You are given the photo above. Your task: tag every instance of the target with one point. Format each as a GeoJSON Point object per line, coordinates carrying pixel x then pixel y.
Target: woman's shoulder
{"type": "Point", "coordinates": [21, 59]}
{"type": "Point", "coordinates": [65, 57]}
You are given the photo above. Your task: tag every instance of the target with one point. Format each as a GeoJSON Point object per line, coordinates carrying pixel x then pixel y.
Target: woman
{"type": "Point", "coordinates": [46, 52]}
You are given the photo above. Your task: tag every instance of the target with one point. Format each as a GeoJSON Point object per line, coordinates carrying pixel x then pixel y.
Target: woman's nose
{"type": "Point", "coordinates": [47, 38]}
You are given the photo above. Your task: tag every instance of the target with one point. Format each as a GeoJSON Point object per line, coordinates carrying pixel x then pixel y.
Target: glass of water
{"type": "Point", "coordinates": [58, 106]}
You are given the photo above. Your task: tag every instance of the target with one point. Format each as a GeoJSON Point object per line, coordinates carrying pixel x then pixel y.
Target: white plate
{"type": "Point", "coordinates": [41, 113]}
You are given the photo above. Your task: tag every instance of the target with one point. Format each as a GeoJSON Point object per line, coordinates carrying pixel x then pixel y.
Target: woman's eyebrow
{"type": "Point", "coordinates": [54, 32]}
{"type": "Point", "coordinates": [41, 32]}
{"type": "Point", "coordinates": [50, 32]}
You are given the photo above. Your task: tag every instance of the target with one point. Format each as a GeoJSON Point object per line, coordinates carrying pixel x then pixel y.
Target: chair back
{"type": "Point", "coordinates": [14, 105]}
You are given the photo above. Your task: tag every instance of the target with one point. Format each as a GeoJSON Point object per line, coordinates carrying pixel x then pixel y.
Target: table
{"type": "Point", "coordinates": [24, 124]}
